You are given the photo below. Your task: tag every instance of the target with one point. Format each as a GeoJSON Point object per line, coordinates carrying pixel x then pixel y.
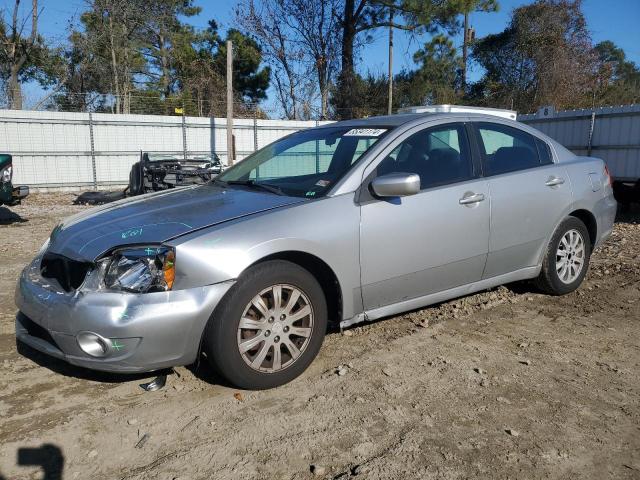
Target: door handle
{"type": "Point", "coordinates": [553, 181]}
{"type": "Point", "coordinates": [471, 198]}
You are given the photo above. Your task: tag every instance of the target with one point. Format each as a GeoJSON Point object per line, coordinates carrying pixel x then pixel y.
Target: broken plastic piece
{"type": "Point", "coordinates": [156, 384]}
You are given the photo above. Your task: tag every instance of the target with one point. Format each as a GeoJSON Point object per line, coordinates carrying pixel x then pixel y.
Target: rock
{"type": "Point", "coordinates": [503, 400]}
{"type": "Point", "coordinates": [93, 454]}
{"type": "Point", "coordinates": [318, 470]}
{"type": "Point", "coordinates": [512, 432]}
{"type": "Point", "coordinates": [359, 470]}
{"type": "Point", "coordinates": [387, 372]}
{"type": "Point", "coordinates": [480, 371]}
{"type": "Point", "coordinates": [342, 370]}
{"type": "Point", "coordinates": [525, 362]}
{"type": "Point", "coordinates": [347, 333]}
{"type": "Point", "coordinates": [523, 345]}
{"type": "Point", "coordinates": [132, 421]}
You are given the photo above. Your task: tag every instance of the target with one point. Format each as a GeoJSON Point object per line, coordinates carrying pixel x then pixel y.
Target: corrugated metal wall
{"type": "Point", "coordinates": [610, 133]}
{"type": "Point", "coordinates": [54, 149]}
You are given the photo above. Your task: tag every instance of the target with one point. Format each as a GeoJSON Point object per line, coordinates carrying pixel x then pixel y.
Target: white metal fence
{"type": "Point", "coordinates": [610, 133]}
{"type": "Point", "coordinates": [76, 150]}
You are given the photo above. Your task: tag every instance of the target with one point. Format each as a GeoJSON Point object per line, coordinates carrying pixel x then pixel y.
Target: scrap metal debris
{"type": "Point", "coordinates": [143, 440]}
{"type": "Point", "coordinates": [156, 384]}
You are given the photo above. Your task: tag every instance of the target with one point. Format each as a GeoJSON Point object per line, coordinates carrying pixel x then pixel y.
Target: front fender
{"type": "Point", "coordinates": [327, 229]}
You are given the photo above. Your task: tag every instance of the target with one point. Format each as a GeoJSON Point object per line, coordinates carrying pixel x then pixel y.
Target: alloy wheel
{"type": "Point", "coordinates": [570, 256]}
{"type": "Point", "coordinates": [275, 328]}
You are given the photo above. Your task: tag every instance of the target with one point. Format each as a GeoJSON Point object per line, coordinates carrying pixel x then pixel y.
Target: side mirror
{"type": "Point", "coordinates": [396, 185]}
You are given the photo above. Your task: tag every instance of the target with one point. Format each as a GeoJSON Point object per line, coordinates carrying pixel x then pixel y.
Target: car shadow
{"type": "Point", "coordinates": [202, 370]}
{"type": "Point", "coordinates": [8, 217]}
{"type": "Point", "coordinates": [63, 368]}
{"type": "Point", "coordinates": [628, 214]}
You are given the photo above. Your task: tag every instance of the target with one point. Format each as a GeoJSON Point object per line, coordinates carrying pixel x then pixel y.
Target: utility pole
{"type": "Point", "coordinates": [465, 51]}
{"type": "Point", "coordinates": [230, 150]}
{"type": "Point", "coordinates": [390, 106]}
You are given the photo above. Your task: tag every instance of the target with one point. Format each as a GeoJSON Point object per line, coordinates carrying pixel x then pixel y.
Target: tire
{"type": "Point", "coordinates": [553, 279]}
{"type": "Point", "coordinates": [136, 186]}
{"type": "Point", "coordinates": [257, 369]}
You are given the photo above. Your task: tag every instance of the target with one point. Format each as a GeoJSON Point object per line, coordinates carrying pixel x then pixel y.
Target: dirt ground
{"type": "Point", "coordinates": [507, 383]}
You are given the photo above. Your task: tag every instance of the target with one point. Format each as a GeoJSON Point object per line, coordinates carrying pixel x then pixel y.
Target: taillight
{"type": "Point", "coordinates": [608, 175]}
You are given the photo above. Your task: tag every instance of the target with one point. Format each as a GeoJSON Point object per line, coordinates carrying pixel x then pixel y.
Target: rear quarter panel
{"type": "Point", "coordinates": [592, 192]}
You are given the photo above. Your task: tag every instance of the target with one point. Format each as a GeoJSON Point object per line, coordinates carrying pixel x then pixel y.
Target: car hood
{"type": "Point", "coordinates": [4, 159]}
{"type": "Point", "coordinates": [156, 218]}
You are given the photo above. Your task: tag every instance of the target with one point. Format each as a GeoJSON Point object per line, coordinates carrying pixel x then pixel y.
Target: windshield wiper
{"type": "Point", "coordinates": [256, 185]}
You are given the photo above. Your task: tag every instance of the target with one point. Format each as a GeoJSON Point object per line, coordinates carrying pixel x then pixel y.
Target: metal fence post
{"type": "Point", "coordinates": [184, 136]}
{"type": "Point", "coordinates": [591, 127]}
{"type": "Point", "coordinates": [93, 153]}
{"type": "Point", "coordinates": [255, 137]}
{"type": "Point", "coordinates": [255, 130]}
{"type": "Point", "coordinates": [317, 153]}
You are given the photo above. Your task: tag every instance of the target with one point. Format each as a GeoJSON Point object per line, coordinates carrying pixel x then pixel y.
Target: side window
{"type": "Point", "coordinates": [544, 152]}
{"type": "Point", "coordinates": [506, 149]}
{"type": "Point", "coordinates": [439, 155]}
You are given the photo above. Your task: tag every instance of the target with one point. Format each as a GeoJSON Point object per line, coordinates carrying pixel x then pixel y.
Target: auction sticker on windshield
{"type": "Point", "coordinates": [365, 132]}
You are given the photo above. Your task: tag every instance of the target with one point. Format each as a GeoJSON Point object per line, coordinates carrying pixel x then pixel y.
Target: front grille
{"type": "Point", "coordinates": [68, 273]}
{"type": "Point", "coordinates": [36, 330]}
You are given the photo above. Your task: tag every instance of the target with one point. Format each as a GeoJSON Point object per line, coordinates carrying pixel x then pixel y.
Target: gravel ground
{"type": "Point", "coordinates": [506, 383]}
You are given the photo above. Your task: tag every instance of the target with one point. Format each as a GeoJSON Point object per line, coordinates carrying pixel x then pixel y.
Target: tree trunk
{"type": "Point", "coordinates": [114, 65]}
{"type": "Point", "coordinates": [164, 62]}
{"type": "Point", "coordinates": [346, 81]}
{"type": "Point", "coordinates": [18, 54]}
{"type": "Point", "coordinates": [14, 90]}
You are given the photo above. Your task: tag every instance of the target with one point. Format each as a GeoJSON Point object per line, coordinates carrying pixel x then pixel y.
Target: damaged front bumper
{"type": "Point", "coordinates": [113, 331]}
{"type": "Point", "coordinates": [10, 195]}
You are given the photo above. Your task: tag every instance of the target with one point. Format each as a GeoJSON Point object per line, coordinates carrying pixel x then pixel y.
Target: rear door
{"type": "Point", "coordinates": [529, 193]}
{"type": "Point", "coordinates": [433, 240]}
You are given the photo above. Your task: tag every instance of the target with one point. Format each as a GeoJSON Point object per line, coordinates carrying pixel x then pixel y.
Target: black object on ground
{"type": "Point", "coordinates": [100, 198]}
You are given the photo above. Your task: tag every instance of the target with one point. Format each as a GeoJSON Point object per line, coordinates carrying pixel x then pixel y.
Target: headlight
{"type": "Point", "coordinates": [140, 269]}
{"type": "Point", "coordinates": [6, 174]}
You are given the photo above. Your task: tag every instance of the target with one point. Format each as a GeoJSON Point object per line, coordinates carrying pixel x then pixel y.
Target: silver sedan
{"type": "Point", "coordinates": [345, 223]}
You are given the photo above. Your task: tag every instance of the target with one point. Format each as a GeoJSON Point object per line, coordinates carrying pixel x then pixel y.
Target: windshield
{"type": "Point", "coordinates": [305, 164]}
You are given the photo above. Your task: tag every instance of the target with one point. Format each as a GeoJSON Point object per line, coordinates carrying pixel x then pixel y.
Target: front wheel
{"type": "Point", "coordinates": [567, 258]}
{"type": "Point", "coordinates": [269, 327]}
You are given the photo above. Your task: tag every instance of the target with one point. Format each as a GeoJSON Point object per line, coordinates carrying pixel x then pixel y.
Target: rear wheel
{"type": "Point", "coordinates": [567, 258]}
{"type": "Point", "coordinates": [269, 327]}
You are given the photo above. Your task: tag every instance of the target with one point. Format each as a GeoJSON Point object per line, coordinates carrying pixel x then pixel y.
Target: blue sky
{"type": "Point", "coordinates": [615, 20]}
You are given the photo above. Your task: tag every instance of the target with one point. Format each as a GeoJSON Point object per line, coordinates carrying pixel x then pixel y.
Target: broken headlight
{"type": "Point", "coordinates": [6, 173]}
{"type": "Point", "coordinates": [140, 269]}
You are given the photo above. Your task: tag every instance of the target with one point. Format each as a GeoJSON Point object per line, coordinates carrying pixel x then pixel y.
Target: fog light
{"type": "Point", "coordinates": [93, 344]}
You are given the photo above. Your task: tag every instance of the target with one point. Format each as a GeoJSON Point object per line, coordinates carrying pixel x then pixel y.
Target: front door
{"type": "Point", "coordinates": [431, 241]}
